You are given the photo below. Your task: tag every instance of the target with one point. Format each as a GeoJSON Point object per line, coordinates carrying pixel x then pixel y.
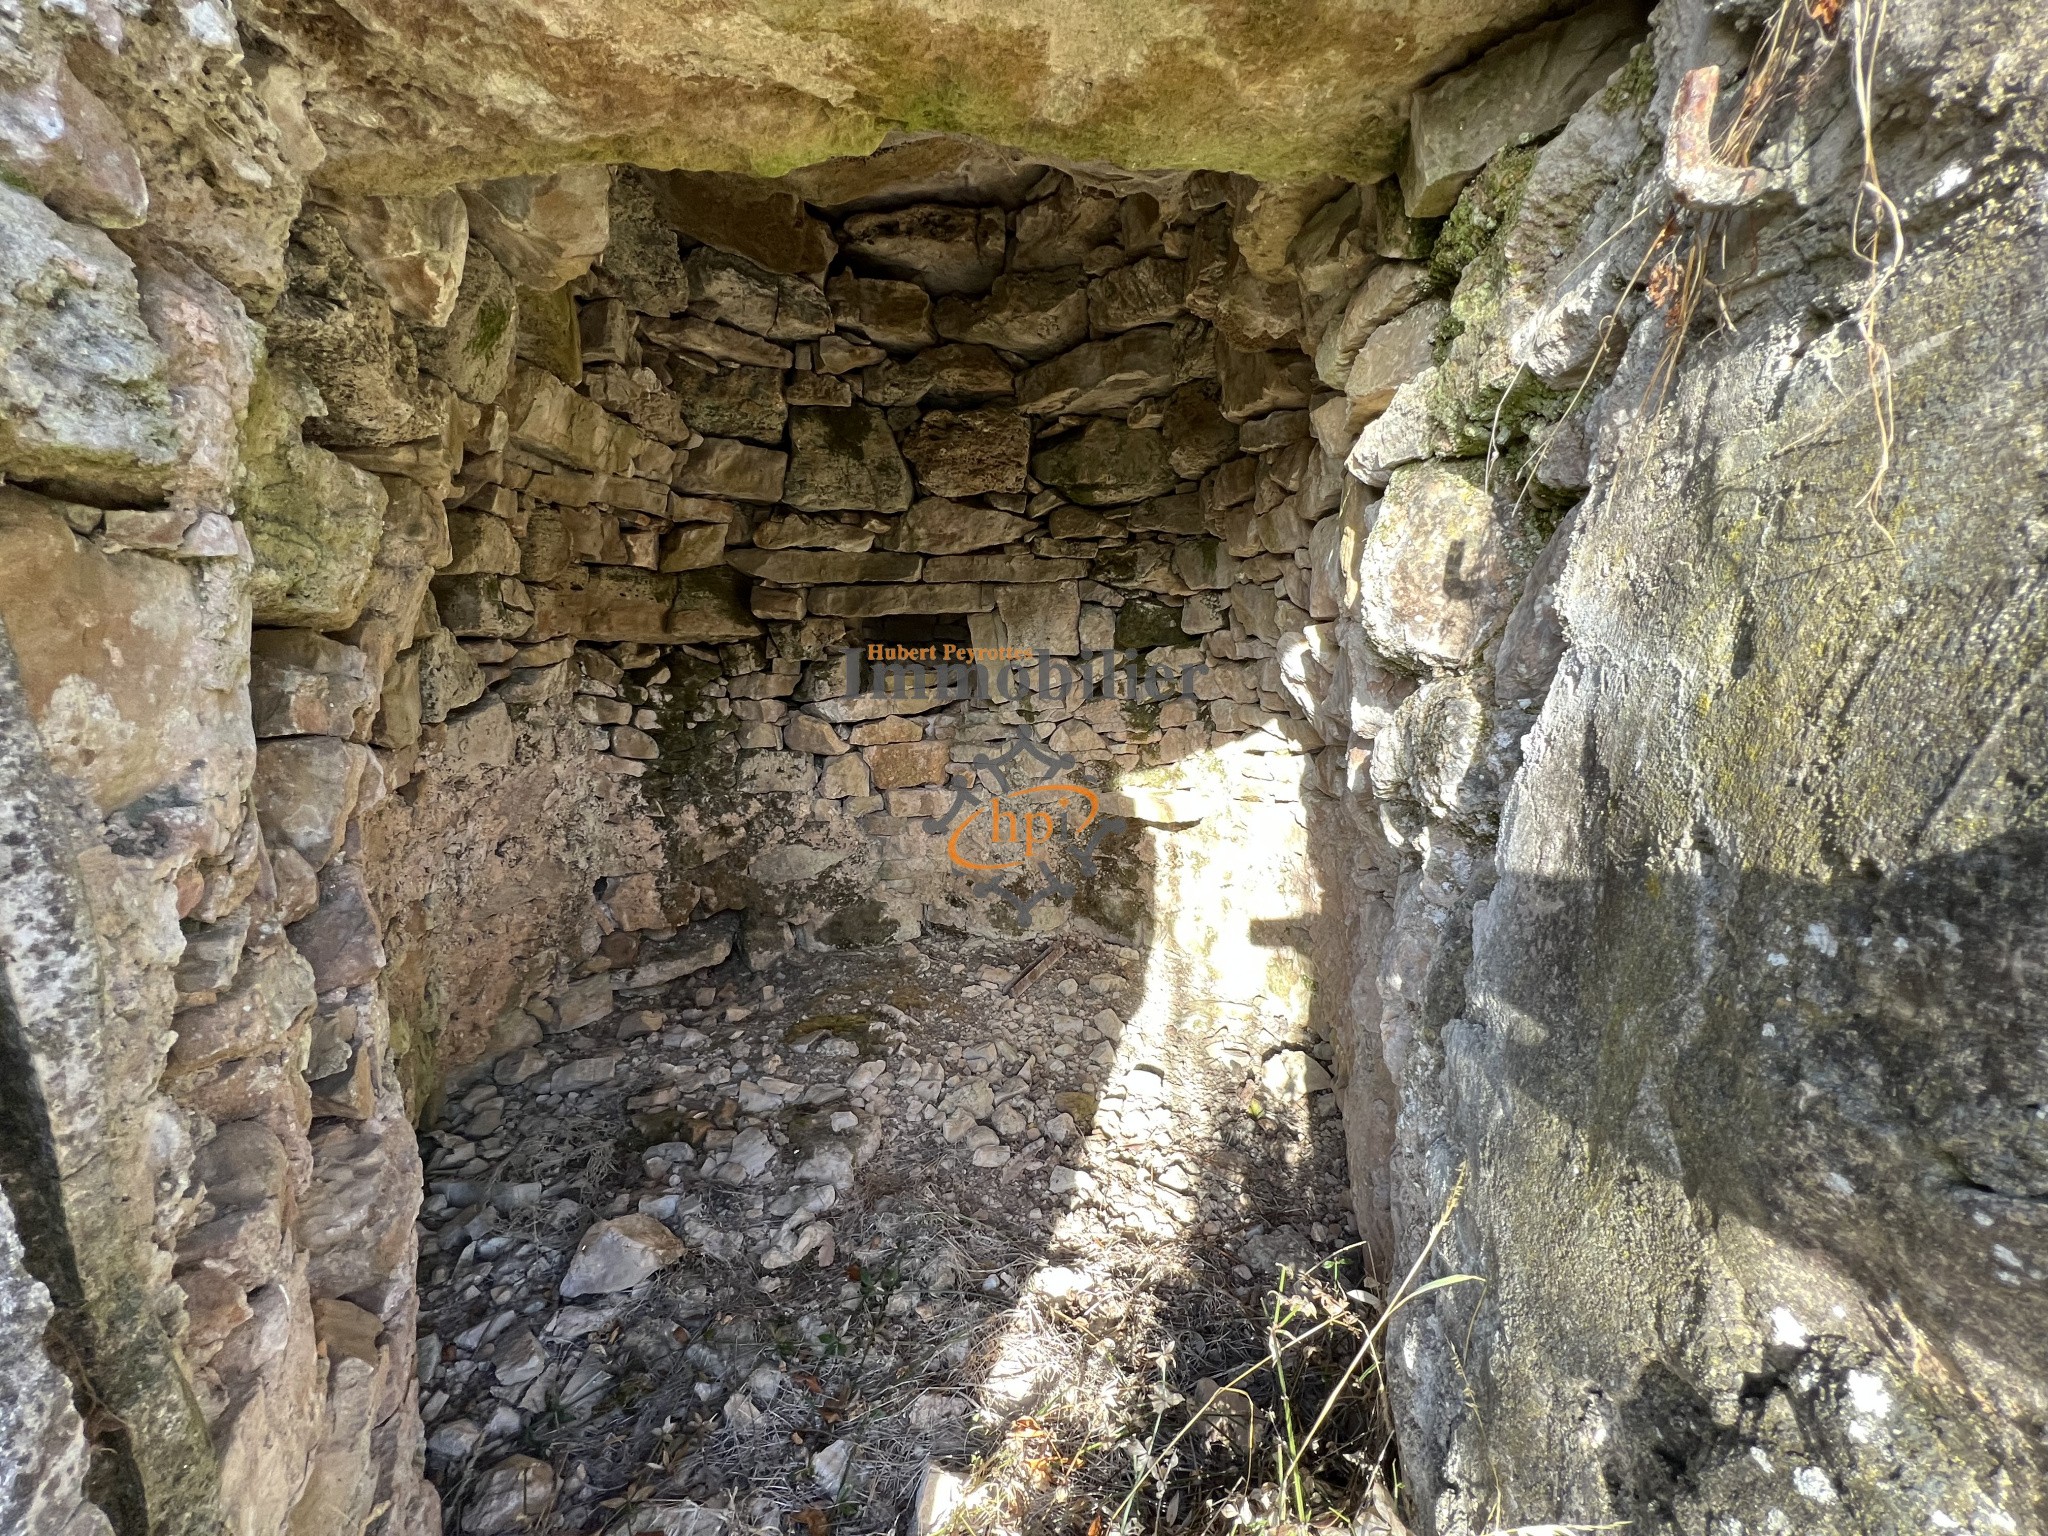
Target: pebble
{"type": "Point", "coordinates": [865, 1076]}
{"type": "Point", "coordinates": [830, 1466]}
{"type": "Point", "coordinates": [517, 1358]}
{"type": "Point", "coordinates": [617, 1255]}
{"type": "Point", "coordinates": [511, 1496]}
{"type": "Point", "coordinates": [1009, 1122]}
{"type": "Point", "coordinates": [456, 1440]}
{"type": "Point", "coordinates": [583, 1072]}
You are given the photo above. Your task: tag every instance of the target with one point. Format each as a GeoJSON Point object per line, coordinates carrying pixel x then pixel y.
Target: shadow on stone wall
{"type": "Point", "coordinates": [1781, 1145]}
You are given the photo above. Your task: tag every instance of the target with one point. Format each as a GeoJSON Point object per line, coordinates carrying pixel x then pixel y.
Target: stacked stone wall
{"type": "Point", "coordinates": [426, 620]}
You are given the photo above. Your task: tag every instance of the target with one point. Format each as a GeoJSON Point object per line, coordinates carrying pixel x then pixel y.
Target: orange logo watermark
{"type": "Point", "coordinates": [1020, 840]}
{"type": "Point", "coordinates": [1036, 826]}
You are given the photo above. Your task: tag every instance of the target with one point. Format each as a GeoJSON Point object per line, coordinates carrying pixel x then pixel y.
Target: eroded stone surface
{"type": "Point", "coordinates": [559, 722]}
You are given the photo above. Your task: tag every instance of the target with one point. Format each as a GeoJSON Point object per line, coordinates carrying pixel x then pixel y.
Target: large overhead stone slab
{"type": "Point", "coordinates": [417, 97]}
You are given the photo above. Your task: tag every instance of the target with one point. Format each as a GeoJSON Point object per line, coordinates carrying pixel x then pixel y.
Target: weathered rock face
{"type": "Point", "coordinates": [1659, 1033]}
{"type": "Point", "coordinates": [1668, 773]}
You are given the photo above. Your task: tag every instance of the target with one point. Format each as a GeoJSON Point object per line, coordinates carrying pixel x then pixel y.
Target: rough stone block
{"type": "Point", "coordinates": [545, 416]}
{"type": "Point", "coordinates": [950, 375]}
{"type": "Point", "coordinates": [696, 947]}
{"type": "Point", "coordinates": [1007, 568]}
{"type": "Point", "coordinates": [1517, 91]}
{"type": "Point", "coordinates": [708, 345]}
{"type": "Point", "coordinates": [766, 224]}
{"type": "Point", "coordinates": [305, 790]}
{"type": "Point", "coordinates": [942, 249]}
{"type": "Point", "coordinates": [1401, 434]}
{"type": "Point", "coordinates": [1148, 292]}
{"type": "Point", "coordinates": [271, 995]}
{"type": "Point", "coordinates": [342, 939]}
{"type": "Point", "coordinates": [1436, 574]}
{"type": "Point", "coordinates": [356, 1220]}
{"type": "Point", "coordinates": [733, 402]}
{"type": "Point", "coordinates": [1034, 317]}
{"type": "Point", "coordinates": [693, 547]}
{"type": "Point", "coordinates": [845, 778]}
{"type": "Point", "coordinates": [640, 263]}
{"type": "Point", "coordinates": [1198, 435]}
{"type": "Point", "coordinates": [1255, 383]}
{"type": "Point", "coordinates": [906, 764]}
{"type": "Point", "coordinates": [1062, 230]}
{"type": "Point", "coordinates": [65, 145]}
{"type": "Point", "coordinates": [775, 772]}
{"type": "Point", "coordinates": [891, 314]}
{"type": "Point", "coordinates": [836, 354]}
{"type": "Point", "coordinates": [1043, 617]}
{"type": "Point", "coordinates": [726, 468]}
{"type": "Point", "coordinates": [1103, 376]}
{"type": "Point", "coordinates": [804, 567]}
{"type": "Point", "coordinates": [795, 532]}
{"type": "Point", "coordinates": [808, 387]}
{"type": "Point", "coordinates": [481, 545]}
{"type": "Point", "coordinates": [449, 676]}
{"type": "Point", "coordinates": [970, 453]}
{"type": "Point", "coordinates": [477, 737]}
{"type": "Point", "coordinates": [880, 602]}
{"type": "Point", "coordinates": [935, 526]}
{"type": "Point", "coordinates": [1394, 354]}
{"type": "Point", "coordinates": [303, 684]}
{"type": "Point", "coordinates": [1107, 464]}
{"type": "Point", "coordinates": [544, 230]}
{"type": "Point", "coordinates": [85, 406]}
{"type": "Point", "coordinates": [547, 335]}
{"type": "Point", "coordinates": [781, 603]}
{"type": "Point", "coordinates": [334, 326]}
{"type": "Point", "coordinates": [482, 605]}
{"type": "Point", "coordinates": [726, 289]}
{"type": "Point", "coordinates": [413, 246]}
{"type": "Point", "coordinates": [1391, 288]}
{"type": "Point", "coordinates": [1533, 639]}
{"type": "Point", "coordinates": [807, 733]}
{"type": "Point", "coordinates": [845, 460]}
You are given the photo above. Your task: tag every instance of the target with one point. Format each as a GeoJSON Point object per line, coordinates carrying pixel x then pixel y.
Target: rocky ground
{"type": "Point", "coordinates": [779, 1251]}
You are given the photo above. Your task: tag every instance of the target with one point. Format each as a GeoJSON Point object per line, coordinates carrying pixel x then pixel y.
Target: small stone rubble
{"type": "Point", "coordinates": [779, 1241]}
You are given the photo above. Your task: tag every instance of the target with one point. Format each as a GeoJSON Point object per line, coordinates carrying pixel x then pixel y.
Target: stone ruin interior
{"type": "Point", "coordinates": [1543, 1031]}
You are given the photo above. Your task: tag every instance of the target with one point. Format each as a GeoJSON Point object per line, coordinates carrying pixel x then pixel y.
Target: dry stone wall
{"type": "Point", "coordinates": [426, 620]}
{"type": "Point", "coordinates": [1043, 417]}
